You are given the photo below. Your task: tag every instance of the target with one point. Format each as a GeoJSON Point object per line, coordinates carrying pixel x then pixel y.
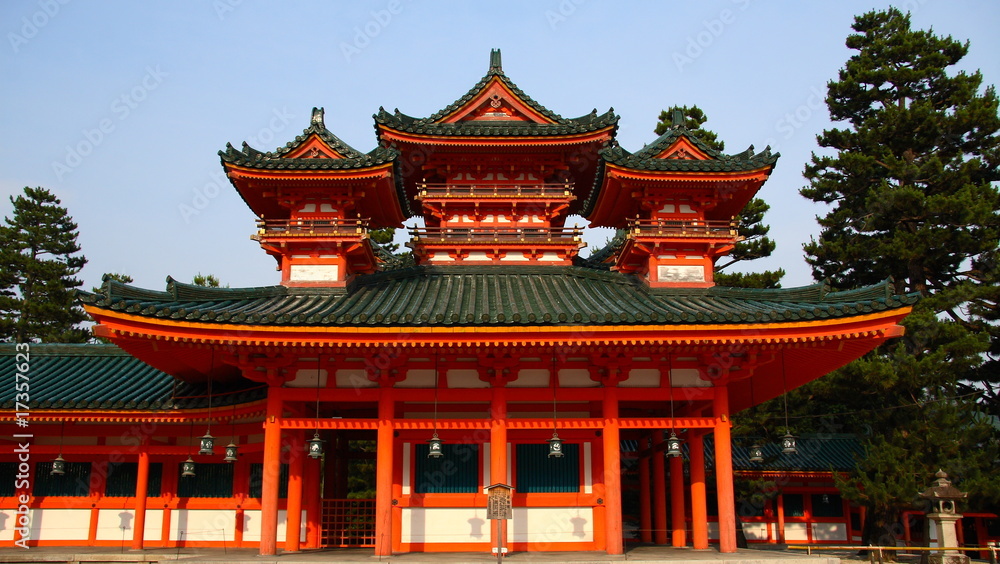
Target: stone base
{"type": "Point", "coordinates": [947, 559]}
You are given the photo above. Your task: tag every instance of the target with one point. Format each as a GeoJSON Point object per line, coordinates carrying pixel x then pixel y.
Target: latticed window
{"type": "Point", "coordinates": [74, 483]}
{"type": "Point", "coordinates": [210, 480]}
{"type": "Point", "coordinates": [8, 473]}
{"type": "Point", "coordinates": [122, 477]}
{"type": "Point", "coordinates": [455, 472]}
{"type": "Point", "coordinates": [257, 481]}
{"type": "Point", "coordinates": [537, 473]}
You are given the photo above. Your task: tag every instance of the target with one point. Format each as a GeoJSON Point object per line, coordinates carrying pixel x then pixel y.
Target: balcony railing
{"type": "Point", "coordinates": [280, 228]}
{"type": "Point", "coordinates": [437, 191]}
{"type": "Point", "coordinates": [483, 236]}
{"type": "Point", "coordinates": [699, 229]}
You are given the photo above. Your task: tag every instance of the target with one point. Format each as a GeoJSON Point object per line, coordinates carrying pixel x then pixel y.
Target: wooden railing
{"type": "Point", "coordinates": [267, 228]}
{"type": "Point", "coordinates": [681, 228]}
{"type": "Point", "coordinates": [348, 522]}
{"type": "Point", "coordinates": [431, 191]}
{"type": "Point", "coordinates": [485, 235]}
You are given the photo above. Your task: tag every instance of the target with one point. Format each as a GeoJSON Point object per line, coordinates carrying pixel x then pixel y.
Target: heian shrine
{"type": "Point", "coordinates": [493, 354]}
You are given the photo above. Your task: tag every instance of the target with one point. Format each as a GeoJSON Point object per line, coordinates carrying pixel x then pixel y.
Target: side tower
{"type": "Point", "coordinates": [315, 200]}
{"type": "Point", "coordinates": [495, 174]}
{"type": "Point", "coordinates": [678, 201]}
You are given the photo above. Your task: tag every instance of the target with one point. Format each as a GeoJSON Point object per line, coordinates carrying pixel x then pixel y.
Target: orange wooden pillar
{"type": "Point", "coordinates": [645, 493]}
{"type": "Point", "coordinates": [272, 473]}
{"type": "Point", "coordinates": [780, 501]}
{"type": "Point", "coordinates": [612, 473]}
{"type": "Point", "coordinates": [296, 465]}
{"type": "Point", "coordinates": [678, 520]}
{"type": "Point", "coordinates": [312, 502]}
{"type": "Point", "coordinates": [699, 502]}
{"type": "Point", "coordinates": [141, 486]}
{"type": "Point", "coordinates": [724, 471]}
{"type": "Point", "coordinates": [659, 491]}
{"type": "Point", "coordinates": [383, 472]}
{"type": "Point", "coordinates": [498, 447]}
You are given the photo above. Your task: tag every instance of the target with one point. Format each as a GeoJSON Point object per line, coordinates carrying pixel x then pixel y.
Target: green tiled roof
{"type": "Point", "coordinates": [276, 160]}
{"type": "Point", "coordinates": [107, 378]}
{"type": "Point", "coordinates": [492, 295]}
{"type": "Point", "coordinates": [817, 453]}
{"type": "Point", "coordinates": [562, 126]}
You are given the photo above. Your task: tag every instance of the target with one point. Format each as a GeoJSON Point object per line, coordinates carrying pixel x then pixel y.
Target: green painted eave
{"type": "Point", "coordinates": [104, 377]}
{"type": "Point", "coordinates": [493, 296]}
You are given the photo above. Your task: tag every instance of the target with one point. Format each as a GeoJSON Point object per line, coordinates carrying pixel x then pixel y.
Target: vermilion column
{"type": "Point", "coordinates": [724, 471]}
{"type": "Point", "coordinates": [312, 501]}
{"type": "Point", "coordinates": [498, 449]}
{"type": "Point", "coordinates": [272, 474]}
{"type": "Point", "coordinates": [677, 517]}
{"type": "Point", "coordinates": [141, 485]}
{"type": "Point", "coordinates": [659, 491]}
{"type": "Point", "coordinates": [699, 503]}
{"type": "Point", "coordinates": [781, 518]}
{"type": "Point", "coordinates": [612, 473]}
{"type": "Point", "coordinates": [296, 465]}
{"type": "Point", "coordinates": [645, 507]}
{"type": "Point", "coordinates": [383, 473]}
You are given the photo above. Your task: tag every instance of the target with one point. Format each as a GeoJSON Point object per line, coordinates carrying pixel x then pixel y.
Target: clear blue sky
{"type": "Point", "coordinates": [120, 107]}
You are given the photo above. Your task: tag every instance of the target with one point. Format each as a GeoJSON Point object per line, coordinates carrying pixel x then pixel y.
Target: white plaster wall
{"type": "Point", "coordinates": [445, 525]}
{"type": "Point", "coordinates": [314, 272]}
{"type": "Point", "coordinates": [755, 531]}
{"type": "Point", "coordinates": [60, 524]}
{"type": "Point", "coordinates": [8, 520]}
{"type": "Point", "coordinates": [829, 531]}
{"type": "Point", "coordinates": [251, 526]}
{"type": "Point", "coordinates": [796, 532]}
{"type": "Point", "coordinates": [110, 522]}
{"type": "Point", "coordinates": [552, 524]}
{"type": "Point", "coordinates": [353, 378]}
{"type": "Point", "coordinates": [642, 378]}
{"type": "Point", "coordinates": [203, 525]}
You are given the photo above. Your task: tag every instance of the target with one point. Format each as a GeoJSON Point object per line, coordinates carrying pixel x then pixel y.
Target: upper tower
{"type": "Point", "coordinates": [315, 200]}
{"type": "Point", "coordinates": [495, 174]}
{"type": "Point", "coordinates": [678, 201]}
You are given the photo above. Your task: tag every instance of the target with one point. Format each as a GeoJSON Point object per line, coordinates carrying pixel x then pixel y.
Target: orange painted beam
{"type": "Point", "coordinates": [512, 424]}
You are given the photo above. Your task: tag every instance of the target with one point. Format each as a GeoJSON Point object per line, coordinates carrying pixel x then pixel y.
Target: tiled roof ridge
{"type": "Point", "coordinates": [66, 349]}
{"type": "Point", "coordinates": [482, 270]}
{"type": "Point", "coordinates": [254, 158]}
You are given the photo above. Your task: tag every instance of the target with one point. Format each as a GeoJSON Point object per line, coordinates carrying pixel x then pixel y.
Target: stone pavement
{"type": "Point", "coordinates": [634, 555]}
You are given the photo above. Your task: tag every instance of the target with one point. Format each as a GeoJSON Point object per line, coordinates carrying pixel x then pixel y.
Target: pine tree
{"type": "Point", "coordinates": [909, 179]}
{"type": "Point", "coordinates": [755, 244]}
{"type": "Point", "coordinates": [40, 259]}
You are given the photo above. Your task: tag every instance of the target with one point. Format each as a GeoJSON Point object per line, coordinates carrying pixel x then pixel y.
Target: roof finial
{"type": "Point", "coordinates": [678, 118]}
{"type": "Point", "coordinates": [495, 65]}
{"type": "Point", "coordinates": [317, 117]}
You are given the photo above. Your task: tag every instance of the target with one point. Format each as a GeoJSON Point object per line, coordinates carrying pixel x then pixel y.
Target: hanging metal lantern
{"type": "Point", "coordinates": [232, 451]}
{"type": "Point", "coordinates": [58, 466]}
{"type": "Point", "coordinates": [673, 445]}
{"type": "Point", "coordinates": [187, 468]}
{"type": "Point", "coordinates": [756, 453]}
{"type": "Point", "coordinates": [206, 444]}
{"type": "Point", "coordinates": [434, 447]}
{"type": "Point", "coordinates": [788, 444]}
{"type": "Point", "coordinates": [555, 446]}
{"type": "Point", "coordinates": [315, 446]}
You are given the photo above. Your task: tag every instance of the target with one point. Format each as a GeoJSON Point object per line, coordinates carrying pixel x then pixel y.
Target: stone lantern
{"type": "Point", "coordinates": [943, 496]}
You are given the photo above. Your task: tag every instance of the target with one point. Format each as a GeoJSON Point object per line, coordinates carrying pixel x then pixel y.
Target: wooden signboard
{"type": "Point", "coordinates": [498, 504]}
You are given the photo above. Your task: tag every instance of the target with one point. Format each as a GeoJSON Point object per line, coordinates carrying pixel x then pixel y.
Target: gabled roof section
{"type": "Point", "coordinates": [495, 106]}
{"type": "Point", "coordinates": [493, 295]}
{"type": "Point", "coordinates": [316, 148]}
{"type": "Point", "coordinates": [104, 377]}
{"type": "Point", "coordinates": [678, 150]}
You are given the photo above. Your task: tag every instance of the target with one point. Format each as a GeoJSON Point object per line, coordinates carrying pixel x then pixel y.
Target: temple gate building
{"type": "Point", "coordinates": [440, 373]}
